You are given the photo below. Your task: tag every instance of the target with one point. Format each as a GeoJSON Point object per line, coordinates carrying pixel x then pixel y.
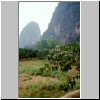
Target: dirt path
{"type": "Point", "coordinates": [72, 94]}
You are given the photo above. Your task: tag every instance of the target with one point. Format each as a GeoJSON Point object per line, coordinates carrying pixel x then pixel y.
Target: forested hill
{"type": "Point", "coordinates": [65, 23]}
{"type": "Point", "coordinates": [29, 35]}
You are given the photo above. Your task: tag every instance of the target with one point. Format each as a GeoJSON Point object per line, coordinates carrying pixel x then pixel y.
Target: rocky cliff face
{"type": "Point", "coordinates": [65, 23]}
{"type": "Point", "coordinates": [29, 35]}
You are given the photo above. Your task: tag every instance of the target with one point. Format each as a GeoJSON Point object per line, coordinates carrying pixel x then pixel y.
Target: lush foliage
{"type": "Point", "coordinates": [63, 57]}
{"type": "Point", "coordinates": [27, 53]}
{"type": "Point", "coordinates": [58, 65]}
{"type": "Point", "coordinates": [52, 43]}
{"type": "Point", "coordinates": [40, 50]}
{"type": "Point", "coordinates": [49, 44]}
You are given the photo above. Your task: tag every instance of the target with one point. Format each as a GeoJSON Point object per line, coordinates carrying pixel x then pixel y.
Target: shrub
{"type": "Point", "coordinates": [64, 56]}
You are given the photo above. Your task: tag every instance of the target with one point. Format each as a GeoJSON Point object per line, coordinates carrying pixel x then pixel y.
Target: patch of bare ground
{"type": "Point", "coordinates": [72, 94]}
{"type": "Point", "coordinates": [22, 76]}
{"type": "Point", "coordinates": [35, 79]}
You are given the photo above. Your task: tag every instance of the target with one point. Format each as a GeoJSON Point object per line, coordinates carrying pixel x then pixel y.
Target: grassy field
{"type": "Point", "coordinates": [29, 66]}
{"type": "Point", "coordinates": [49, 84]}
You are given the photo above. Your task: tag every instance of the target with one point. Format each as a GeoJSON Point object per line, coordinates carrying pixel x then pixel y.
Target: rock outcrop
{"type": "Point", "coordinates": [65, 23]}
{"type": "Point", "coordinates": [29, 35]}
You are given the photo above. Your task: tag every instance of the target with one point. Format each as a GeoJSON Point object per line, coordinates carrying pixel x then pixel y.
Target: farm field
{"type": "Point", "coordinates": [48, 84]}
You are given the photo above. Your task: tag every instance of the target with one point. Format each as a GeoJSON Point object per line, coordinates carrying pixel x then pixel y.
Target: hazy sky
{"type": "Point", "coordinates": [40, 12]}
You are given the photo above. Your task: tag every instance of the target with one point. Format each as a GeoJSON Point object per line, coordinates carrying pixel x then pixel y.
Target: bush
{"type": "Point", "coordinates": [64, 56]}
{"type": "Point", "coordinates": [41, 54]}
{"type": "Point", "coordinates": [27, 53]}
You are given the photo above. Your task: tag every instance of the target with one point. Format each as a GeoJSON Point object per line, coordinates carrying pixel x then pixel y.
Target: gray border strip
{"type": "Point", "coordinates": [90, 50]}
{"type": "Point", "coordinates": [9, 49]}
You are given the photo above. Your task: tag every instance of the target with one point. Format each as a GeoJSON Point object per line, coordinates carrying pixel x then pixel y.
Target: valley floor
{"type": "Point", "coordinates": [32, 85]}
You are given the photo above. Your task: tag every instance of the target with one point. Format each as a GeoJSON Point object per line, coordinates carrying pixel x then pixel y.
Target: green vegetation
{"type": "Point", "coordinates": [63, 57]}
{"type": "Point", "coordinates": [61, 64]}
{"type": "Point", "coordinates": [40, 50]}
{"type": "Point", "coordinates": [27, 78]}
{"type": "Point", "coordinates": [46, 90]}
{"type": "Point", "coordinates": [27, 53]}
{"type": "Point", "coordinates": [30, 67]}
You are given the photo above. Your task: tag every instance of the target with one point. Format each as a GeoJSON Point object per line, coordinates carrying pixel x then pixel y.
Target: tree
{"type": "Point", "coordinates": [44, 44]}
{"type": "Point", "coordinates": [38, 45]}
{"type": "Point", "coordinates": [41, 45]}
{"type": "Point", "coordinates": [41, 54]}
{"type": "Point", "coordinates": [52, 43]}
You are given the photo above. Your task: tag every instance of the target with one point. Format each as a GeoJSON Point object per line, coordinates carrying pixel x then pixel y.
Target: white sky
{"type": "Point", "coordinates": [40, 12]}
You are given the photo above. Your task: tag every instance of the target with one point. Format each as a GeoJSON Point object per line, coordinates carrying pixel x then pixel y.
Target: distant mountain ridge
{"type": "Point", "coordinates": [64, 26]}
{"type": "Point", "coordinates": [29, 35]}
{"type": "Point", "coordinates": [65, 23]}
